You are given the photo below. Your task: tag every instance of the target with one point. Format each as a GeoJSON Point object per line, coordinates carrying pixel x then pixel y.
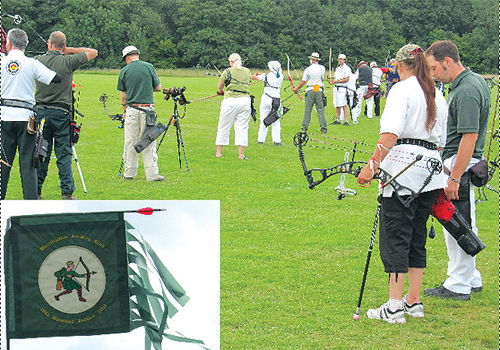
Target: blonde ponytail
{"type": "Point", "coordinates": [237, 60]}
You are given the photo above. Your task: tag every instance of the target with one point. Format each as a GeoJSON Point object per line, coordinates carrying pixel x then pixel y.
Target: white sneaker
{"type": "Point", "coordinates": [415, 310]}
{"type": "Point", "coordinates": [355, 122]}
{"type": "Point", "coordinates": [158, 178]}
{"type": "Point", "coordinates": [385, 313]}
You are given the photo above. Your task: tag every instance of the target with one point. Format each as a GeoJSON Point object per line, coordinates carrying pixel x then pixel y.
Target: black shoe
{"type": "Point", "coordinates": [477, 289]}
{"type": "Point", "coordinates": [278, 143]}
{"type": "Point", "coordinates": [336, 122]}
{"type": "Point", "coordinates": [473, 289]}
{"type": "Point", "coordinates": [346, 124]}
{"type": "Point", "coordinates": [444, 293]}
{"type": "Point", "coordinates": [324, 131]}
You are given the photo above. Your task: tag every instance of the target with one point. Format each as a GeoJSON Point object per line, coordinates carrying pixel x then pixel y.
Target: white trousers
{"type": "Point", "coordinates": [135, 123]}
{"type": "Point", "coordinates": [234, 110]}
{"type": "Point", "coordinates": [266, 103]}
{"type": "Point", "coordinates": [339, 96]}
{"type": "Point", "coordinates": [462, 271]}
{"type": "Point", "coordinates": [356, 112]}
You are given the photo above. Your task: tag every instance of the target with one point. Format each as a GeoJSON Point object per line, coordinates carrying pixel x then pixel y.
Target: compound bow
{"type": "Point", "coordinates": [354, 168]}
{"type": "Point", "coordinates": [104, 98]}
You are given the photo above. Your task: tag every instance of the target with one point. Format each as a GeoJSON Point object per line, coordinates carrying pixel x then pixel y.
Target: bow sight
{"type": "Point", "coordinates": [177, 94]}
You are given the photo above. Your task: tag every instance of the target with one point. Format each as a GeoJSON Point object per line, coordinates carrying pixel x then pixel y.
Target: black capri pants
{"type": "Point", "coordinates": [403, 232]}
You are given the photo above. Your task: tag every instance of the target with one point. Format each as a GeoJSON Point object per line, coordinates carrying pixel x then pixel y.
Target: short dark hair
{"type": "Point", "coordinates": [18, 38]}
{"type": "Point", "coordinates": [443, 48]}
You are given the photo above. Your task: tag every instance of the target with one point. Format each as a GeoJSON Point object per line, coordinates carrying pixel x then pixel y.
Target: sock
{"type": "Point", "coordinates": [395, 304]}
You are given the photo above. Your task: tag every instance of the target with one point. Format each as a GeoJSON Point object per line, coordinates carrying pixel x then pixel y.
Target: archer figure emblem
{"type": "Point", "coordinates": [72, 279]}
{"type": "Point", "coordinates": [67, 279]}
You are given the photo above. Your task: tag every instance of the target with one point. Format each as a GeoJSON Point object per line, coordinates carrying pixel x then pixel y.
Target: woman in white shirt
{"type": "Point", "coordinates": [272, 86]}
{"type": "Point", "coordinates": [413, 123]}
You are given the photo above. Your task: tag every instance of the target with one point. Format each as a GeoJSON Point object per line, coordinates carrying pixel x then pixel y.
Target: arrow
{"type": "Point", "coordinates": [144, 211]}
{"type": "Point", "coordinates": [417, 158]}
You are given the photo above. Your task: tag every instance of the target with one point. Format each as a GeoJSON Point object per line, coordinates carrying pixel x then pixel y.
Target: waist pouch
{"type": "Point", "coordinates": [479, 173]}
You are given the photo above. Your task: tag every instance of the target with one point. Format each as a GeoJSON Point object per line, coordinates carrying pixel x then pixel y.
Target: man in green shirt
{"type": "Point", "coordinates": [137, 81]}
{"type": "Point", "coordinates": [55, 103]}
{"type": "Point", "coordinates": [469, 103]}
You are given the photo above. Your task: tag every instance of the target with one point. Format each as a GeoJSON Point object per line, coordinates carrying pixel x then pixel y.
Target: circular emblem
{"type": "Point", "coordinates": [71, 279]}
{"type": "Point", "coordinates": [13, 67]}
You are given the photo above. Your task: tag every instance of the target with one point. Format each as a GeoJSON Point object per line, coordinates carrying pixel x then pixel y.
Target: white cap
{"type": "Point", "coordinates": [274, 66]}
{"type": "Point", "coordinates": [373, 64]}
{"type": "Point", "coordinates": [129, 50]}
{"type": "Point", "coordinates": [341, 56]}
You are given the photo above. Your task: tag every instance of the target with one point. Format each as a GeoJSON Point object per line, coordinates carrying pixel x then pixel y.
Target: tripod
{"type": "Point", "coordinates": [174, 119]}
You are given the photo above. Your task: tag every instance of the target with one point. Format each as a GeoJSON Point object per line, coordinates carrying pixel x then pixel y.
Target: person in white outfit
{"type": "Point", "coordinates": [272, 86]}
{"type": "Point", "coordinates": [351, 95]}
{"type": "Point", "coordinates": [341, 79]}
{"type": "Point", "coordinates": [413, 122]}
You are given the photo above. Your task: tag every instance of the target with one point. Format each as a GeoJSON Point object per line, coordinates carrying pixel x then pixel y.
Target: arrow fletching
{"type": "Point", "coordinates": [148, 210]}
{"type": "Point", "coordinates": [144, 211]}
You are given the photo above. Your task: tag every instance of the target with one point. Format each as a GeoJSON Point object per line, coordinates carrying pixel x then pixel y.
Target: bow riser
{"type": "Point", "coordinates": [354, 168]}
{"type": "Point", "coordinates": [118, 117]}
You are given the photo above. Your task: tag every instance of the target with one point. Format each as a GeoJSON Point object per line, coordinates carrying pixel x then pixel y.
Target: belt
{"type": "Point", "coordinates": [142, 104]}
{"type": "Point", "coordinates": [417, 142]}
{"type": "Point", "coordinates": [57, 105]}
{"type": "Point", "coordinates": [309, 88]}
{"type": "Point", "coordinates": [18, 104]}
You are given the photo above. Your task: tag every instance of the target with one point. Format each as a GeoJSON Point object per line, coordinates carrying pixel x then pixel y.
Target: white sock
{"type": "Point", "coordinates": [395, 304]}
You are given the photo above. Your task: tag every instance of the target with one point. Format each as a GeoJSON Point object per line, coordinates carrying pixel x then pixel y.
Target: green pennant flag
{"type": "Point", "coordinates": [81, 274]}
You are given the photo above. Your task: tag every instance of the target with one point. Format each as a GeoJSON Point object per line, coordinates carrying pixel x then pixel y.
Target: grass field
{"type": "Point", "coordinates": [292, 258]}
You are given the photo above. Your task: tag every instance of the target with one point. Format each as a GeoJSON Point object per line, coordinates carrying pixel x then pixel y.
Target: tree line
{"type": "Point", "coordinates": [201, 33]}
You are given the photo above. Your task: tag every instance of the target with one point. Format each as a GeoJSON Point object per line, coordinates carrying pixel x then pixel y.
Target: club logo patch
{"type": "Point", "coordinates": [13, 67]}
{"type": "Point", "coordinates": [71, 279]}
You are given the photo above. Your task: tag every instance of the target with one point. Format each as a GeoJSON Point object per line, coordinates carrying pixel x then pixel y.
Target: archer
{"type": "Point", "coordinates": [55, 104]}
{"type": "Point", "coordinates": [66, 275]}
{"type": "Point", "coordinates": [313, 77]}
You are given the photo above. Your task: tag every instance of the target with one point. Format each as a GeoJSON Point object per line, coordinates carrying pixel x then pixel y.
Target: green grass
{"type": "Point", "coordinates": [292, 259]}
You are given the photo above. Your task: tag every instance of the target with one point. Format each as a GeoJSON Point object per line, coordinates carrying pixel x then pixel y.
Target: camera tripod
{"type": "Point", "coordinates": [174, 119]}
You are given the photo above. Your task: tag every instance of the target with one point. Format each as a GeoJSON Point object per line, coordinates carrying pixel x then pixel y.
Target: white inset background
{"type": "Point", "coordinates": [186, 238]}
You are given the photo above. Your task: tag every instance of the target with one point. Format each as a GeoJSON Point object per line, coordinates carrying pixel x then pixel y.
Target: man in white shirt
{"type": "Point", "coordinates": [341, 81]}
{"type": "Point", "coordinates": [18, 105]}
{"type": "Point", "coordinates": [313, 76]}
